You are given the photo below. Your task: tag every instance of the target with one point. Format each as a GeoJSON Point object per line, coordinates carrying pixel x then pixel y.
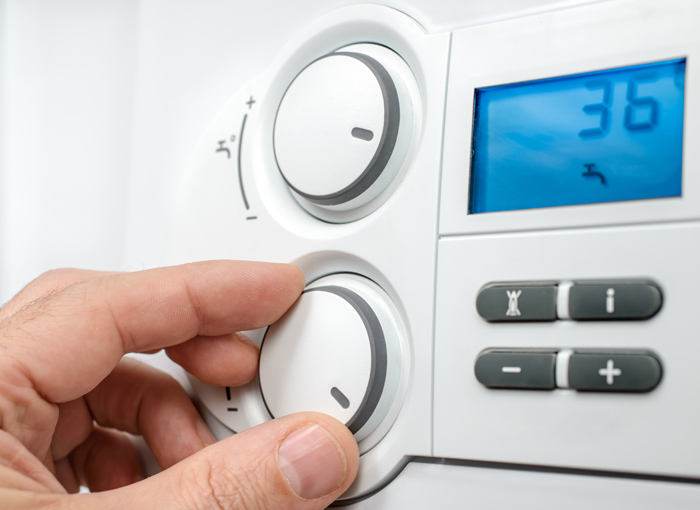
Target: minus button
{"type": "Point", "coordinates": [516, 369]}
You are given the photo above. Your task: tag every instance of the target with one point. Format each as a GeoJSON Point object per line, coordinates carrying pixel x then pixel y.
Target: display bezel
{"type": "Point", "coordinates": [576, 41]}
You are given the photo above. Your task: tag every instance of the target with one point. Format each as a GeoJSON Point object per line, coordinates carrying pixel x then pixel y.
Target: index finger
{"type": "Point", "coordinates": [64, 345]}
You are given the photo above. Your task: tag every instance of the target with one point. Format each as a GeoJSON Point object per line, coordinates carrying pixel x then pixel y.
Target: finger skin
{"type": "Point", "coordinates": [66, 476]}
{"type": "Point", "coordinates": [61, 347]}
{"type": "Point", "coordinates": [104, 318]}
{"type": "Point", "coordinates": [242, 472]}
{"type": "Point", "coordinates": [29, 418]}
{"type": "Point", "coordinates": [142, 400]}
{"type": "Point", "coordinates": [227, 360]}
{"type": "Point", "coordinates": [106, 460]}
{"type": "Point", "coordinates": [19, 469]}
{"type": "Point", "coordinates": [74, 426]}
{"type": "Point", "coordinates": [17, 499]}
{"type": "Point", "coordinates": [47, 284]}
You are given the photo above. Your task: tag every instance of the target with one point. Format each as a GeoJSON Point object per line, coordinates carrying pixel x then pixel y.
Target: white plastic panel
{"type": "Point", "coordinates": [192, 57]}
{"type": "Point", "coordinates": [588, 38]}
{"type": "Point", "coordinates": [169, 68]}
{"type": "Point", "coordinates": [212, 218]}
{"type": "Point", "coordinates": [653, 433]}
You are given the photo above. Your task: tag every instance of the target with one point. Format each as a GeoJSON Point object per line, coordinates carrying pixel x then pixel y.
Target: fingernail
{"type": "Point", "coordinates": [242, 337]}
{"type": "Point", "coordinates": [313, 462]}
{"type": "Point", "coordinates": [204, 433]}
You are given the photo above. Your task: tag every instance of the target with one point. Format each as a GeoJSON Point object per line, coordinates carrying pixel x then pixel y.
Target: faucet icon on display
{"type": "Point", "coordinates": [592, 173]}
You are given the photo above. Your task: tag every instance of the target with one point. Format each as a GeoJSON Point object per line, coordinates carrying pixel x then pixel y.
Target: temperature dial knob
{"type": "Point", "coordinates": [343, 127]}
{"type": "Point", "coordinates": [337, 351]}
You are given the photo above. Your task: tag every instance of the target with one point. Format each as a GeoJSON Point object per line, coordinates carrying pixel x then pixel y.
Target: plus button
{"type": "Point", "coordinates": [610, 372]}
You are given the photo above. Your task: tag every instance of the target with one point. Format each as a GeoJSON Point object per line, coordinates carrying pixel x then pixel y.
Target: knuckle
{"type": "Point", "coordinates": [57, 274]}
{"type": "Point", "coordinates": [23, 413]}
{"type": "Point", "coordinates": [48, 277]}
{"type": "Point", "coordinates": [166, 384]}
{"type": "Point", "coordinates": [50, 282]}
{"type": "Point", "coordinates": [33, 299]}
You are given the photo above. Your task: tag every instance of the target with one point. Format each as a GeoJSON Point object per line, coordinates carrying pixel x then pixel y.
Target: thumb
{"type": "Point", "coordinates": [298, 462]}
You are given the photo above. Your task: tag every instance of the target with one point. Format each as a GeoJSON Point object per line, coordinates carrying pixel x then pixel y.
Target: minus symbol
{"type": "Point", "coordinates": [252, 218]}
{"type": "Point", "coordinates": [511, 370]}
{"type": "Point", "coordinates": [234, 409]}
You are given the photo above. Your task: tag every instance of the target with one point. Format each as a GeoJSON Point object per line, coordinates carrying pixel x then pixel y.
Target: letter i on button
{"type": "Point", "coordinates": [610, 301]}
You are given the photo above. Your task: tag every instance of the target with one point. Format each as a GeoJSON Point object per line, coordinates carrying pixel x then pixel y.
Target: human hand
{"type": "Point", "coordinates": [66, 392]}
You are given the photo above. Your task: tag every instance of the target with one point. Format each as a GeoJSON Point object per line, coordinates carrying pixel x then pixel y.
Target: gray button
{"type": "Point", "coordinates": [504, 302]}
{"type": "Point", "coordinates": [614, 371]}
{"type": "Point", "coordinates": [524, 370]}
{"type": "Point", "coordinates": [614, 300]}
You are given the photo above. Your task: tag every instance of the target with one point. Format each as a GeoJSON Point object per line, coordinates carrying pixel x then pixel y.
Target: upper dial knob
{"type": "Point", "coordinates": [341, 129]}
{"type": "Point", "coordinates": [337, 352]}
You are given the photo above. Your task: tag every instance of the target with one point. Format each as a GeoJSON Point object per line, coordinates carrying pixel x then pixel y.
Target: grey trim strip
{"type": "Point", "coordinates": [377, 345]}
{"type": "Point", "coordinates": [387, 142]}
{"type": "Point", "coordinates": [518, 467]}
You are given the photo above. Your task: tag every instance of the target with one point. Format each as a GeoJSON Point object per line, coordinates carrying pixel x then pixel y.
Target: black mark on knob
{"type": "Point", "coordinates": [362, 134]}
{"type": "Point", "coordinates": [342, 399]}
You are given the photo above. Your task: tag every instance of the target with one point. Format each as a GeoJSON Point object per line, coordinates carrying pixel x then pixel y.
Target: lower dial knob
{"type": "Point", "coordinates": [337, 351]}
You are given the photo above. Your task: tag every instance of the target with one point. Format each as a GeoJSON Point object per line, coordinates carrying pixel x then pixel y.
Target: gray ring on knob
{"type": "Point", "coordinates": [378, 356]}
{"type": "Point", "coordinates": [387, 142]}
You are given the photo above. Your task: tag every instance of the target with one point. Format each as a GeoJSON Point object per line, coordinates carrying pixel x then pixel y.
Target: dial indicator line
{"type": "Point", "coordinates": [340, 397]}
{"type": "Point", "coordinates": [362, 134]}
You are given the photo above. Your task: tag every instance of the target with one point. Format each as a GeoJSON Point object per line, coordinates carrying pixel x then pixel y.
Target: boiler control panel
{"type": "Point", "coordinates": [500, 231]}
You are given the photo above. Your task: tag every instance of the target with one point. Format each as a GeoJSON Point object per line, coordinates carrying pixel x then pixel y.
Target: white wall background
{"type": "Point", "coordinates": [102, 102]}
{"type": "Point", "coordinates": [67, 114]}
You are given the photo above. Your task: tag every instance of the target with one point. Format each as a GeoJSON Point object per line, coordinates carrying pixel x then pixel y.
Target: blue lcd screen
{"type": "Point", "coordinates": [604, 136]}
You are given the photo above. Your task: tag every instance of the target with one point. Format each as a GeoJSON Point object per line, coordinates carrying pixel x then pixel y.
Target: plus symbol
{"type": "Point", "coordinates": [610, 372]}
{"type": "Point", "coordinates": [250, 102]}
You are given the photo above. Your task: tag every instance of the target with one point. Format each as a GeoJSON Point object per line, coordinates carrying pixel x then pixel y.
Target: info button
{"type": "Point", "coordinates": [614, 300]}
{"type": "Point", "coordinates": [503, 302]}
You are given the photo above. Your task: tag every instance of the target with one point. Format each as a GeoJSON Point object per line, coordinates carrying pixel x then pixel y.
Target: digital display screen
{"type": "Point", "coordinates": [604, 136]}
